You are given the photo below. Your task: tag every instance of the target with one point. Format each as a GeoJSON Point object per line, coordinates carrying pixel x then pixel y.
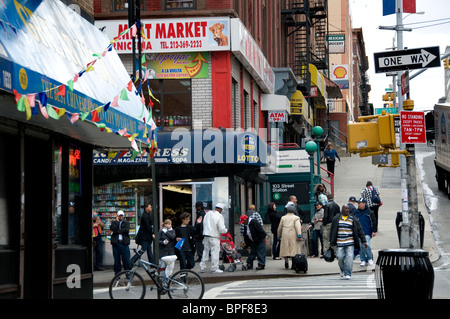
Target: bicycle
{"type": "Point", "coordinates": [129, 284]}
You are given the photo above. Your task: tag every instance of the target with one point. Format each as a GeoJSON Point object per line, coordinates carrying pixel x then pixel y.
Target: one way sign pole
{"type": "Point", "coordinates": [407, 59]}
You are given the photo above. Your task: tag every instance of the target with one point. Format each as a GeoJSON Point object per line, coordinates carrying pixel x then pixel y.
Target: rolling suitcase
{"type": "Point", "coordinates": [300, 263]}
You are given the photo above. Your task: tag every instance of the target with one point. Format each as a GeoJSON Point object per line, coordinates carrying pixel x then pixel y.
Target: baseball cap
{"type": "Point", "coordinates": [243, 219]}
{"type": "Point", "coordinates": [220, 205]}
{"type": "Point", "coordinates": [120, 212]}
{"type": "Point", "coordinates": [352, 199]}
{"type": "Point", "coordinates": [362, 200]}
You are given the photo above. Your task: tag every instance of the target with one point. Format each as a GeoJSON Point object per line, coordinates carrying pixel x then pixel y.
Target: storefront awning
{"type": "Point", "coordinates": [318, 81]}
{"type": "Point", "coordinates": [212, 146]}
{"type": "Point", "coordinates": [59, 66]}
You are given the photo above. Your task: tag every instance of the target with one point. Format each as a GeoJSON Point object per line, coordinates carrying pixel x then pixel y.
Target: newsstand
{"type": "Point", "coordinates": [404, 273]}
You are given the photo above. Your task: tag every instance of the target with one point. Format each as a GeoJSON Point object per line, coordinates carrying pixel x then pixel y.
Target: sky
{"type": "Point", "coordinates": [426, 88]}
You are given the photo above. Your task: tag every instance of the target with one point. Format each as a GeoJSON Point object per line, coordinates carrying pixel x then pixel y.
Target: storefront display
{"type": "Point", "coordinates": [109, 199]}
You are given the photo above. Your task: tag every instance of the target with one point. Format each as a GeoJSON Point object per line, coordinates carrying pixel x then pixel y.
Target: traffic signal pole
{"type": "Point", "coordinates": [409, 236]}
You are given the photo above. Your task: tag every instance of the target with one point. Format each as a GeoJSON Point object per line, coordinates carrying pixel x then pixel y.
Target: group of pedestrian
{"type": "Point", "coordinates": [344, 229]}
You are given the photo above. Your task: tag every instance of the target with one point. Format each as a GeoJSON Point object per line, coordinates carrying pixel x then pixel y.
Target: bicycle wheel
{"type": "Point", "coordinates": [127, 285]}
{"type": "Point", "coordinates": [186, 284]}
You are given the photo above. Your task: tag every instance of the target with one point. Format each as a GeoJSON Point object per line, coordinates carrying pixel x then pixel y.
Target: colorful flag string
{"type": "Point", "coordinates": [27, 102]}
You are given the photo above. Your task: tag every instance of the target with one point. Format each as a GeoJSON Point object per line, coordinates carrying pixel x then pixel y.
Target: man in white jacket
{"type": "Point", "coordinates": [213, 226]}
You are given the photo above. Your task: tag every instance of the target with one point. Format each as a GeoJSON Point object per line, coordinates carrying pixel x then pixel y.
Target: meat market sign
{"type": "Point", "coordinates": [172, 35]}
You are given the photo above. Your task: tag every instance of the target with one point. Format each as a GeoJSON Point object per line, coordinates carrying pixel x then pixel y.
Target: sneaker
{"type": "Point", "coordinates": [370, 262]}
{"type": "Point", "coordinates": [342, 274]}
{"type": "Point", "coordinates": [348, 277]}
{"type": "Point", "coordinates": [217, 271]}
{"type": "Point", "coordinates": [202, 270]}
{"type": "Point", "coordinates": [363, 264]}
{"type": "Point", "coordinates": [260, 267]}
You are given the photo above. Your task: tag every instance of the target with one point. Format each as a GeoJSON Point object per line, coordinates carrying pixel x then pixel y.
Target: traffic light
{"type": "Point", "coordinates": [446, 63]}
{"type": "Point", "coordinates": [386, 130]}
{"type": "Point", "coordinates": [362, 137]}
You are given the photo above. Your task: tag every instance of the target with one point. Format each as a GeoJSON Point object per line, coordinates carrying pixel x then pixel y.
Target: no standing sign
{"type": "Point", "coordinates": [412, 127]}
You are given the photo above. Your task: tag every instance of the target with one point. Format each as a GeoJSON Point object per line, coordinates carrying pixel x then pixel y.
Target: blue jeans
{"type": "Point", "coordinates": [121, 254]}
{"type": "Point", "coordinates": [257, 250]}
{"type": "Point", "coordinates": [365, 254]}
{"type": "Point", "coordinates": [344, 255]}
{"type": "Point", "coordinates": [147, 246]}
{"type": "Point", "coordinates": [99, 248]}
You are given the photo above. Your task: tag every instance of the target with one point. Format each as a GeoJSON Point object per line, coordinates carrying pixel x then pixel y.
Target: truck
{"type": "Point", "coordinates": [441, 116]}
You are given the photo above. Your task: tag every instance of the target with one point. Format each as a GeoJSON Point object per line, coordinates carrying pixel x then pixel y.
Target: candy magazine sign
{"type": "Point", "coordinates": [172, 35]}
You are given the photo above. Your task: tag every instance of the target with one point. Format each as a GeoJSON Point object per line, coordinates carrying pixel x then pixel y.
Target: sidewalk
{"type": "Point", "coordinates": [351, 175]}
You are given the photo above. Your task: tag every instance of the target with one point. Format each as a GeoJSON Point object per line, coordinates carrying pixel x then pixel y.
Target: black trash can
{"type": "Point", "coordinates": [404, 273]}
{"type": "Point", "coordinates": [399, 219]}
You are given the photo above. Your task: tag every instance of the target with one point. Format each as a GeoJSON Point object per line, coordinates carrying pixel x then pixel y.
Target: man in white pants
{"type": "Point", "coordinates": [213, 226]}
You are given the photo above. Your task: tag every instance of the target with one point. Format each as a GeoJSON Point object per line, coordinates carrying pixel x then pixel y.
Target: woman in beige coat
{"type": "Point", "coordinates": [290, 232]}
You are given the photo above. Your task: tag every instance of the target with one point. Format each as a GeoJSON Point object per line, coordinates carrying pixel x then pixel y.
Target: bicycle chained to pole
{"type": "Point", "coordinates": [129, 284]}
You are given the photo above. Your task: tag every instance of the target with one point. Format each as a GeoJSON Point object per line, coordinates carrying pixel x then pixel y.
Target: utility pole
{"type": "Point", "coordinates": [410, 236]}
{"type": "Point", "coordinates": [134, 17]}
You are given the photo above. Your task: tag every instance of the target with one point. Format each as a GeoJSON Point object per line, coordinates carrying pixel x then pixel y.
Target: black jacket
{"type": "Point", "coordinates": [146, 229]}
{"type": "Point", "coordinates": [199, 226]}
{"type": "Point", "coordinates": [256, 230]}
{"type": "Point", "coordinates": [191, 234]}
{"type": "Point", "coordinates": [357, 231]}
{"type": "Point", "coordinates": [330, 210]}
{"type": "Point", "coordinates": [169, 248]}
{"type": "Point", "coordinates": [124, 231]}
{"type": "Point", "coordinates": [275, 218]}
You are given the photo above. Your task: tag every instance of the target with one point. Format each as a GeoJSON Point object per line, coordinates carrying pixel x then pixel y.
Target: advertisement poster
{"type": "Point", "coordinates": [188, 65]}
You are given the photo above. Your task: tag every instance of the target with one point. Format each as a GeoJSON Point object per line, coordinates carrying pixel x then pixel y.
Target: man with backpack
{"type": "Point", "coordinates": [371, 195]}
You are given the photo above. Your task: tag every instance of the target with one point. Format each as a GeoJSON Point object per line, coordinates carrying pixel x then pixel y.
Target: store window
{"type": "Point", "coordinates": [175, 107]}
{"type": "Point", "coordinates": [122, 5]}
{"type": "Point", "coordinates": [179, 4]}
{"type": "Point", "coordinates": [67, 169]}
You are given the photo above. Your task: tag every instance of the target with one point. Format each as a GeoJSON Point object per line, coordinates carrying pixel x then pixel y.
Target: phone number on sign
{"type": "Point", "coordinates": [181, 44]}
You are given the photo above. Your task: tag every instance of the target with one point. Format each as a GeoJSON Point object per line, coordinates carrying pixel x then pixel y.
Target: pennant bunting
{"type": "Point", "coordinates": [27, 103]}
{"type": "Point", "coordinates": [83, 116]}
{"type": "Point", "coordinates": [124, 95]}
{"type": "Point", "coordinates": [31, 99]}
{"type": "Point", "coordinates": [52, 113]}
{"type": "Point", "coordinates": [70, 85]}
{"type": "Point", "coordinates": [61, 90]}
{"type": "Point", "coordinates": [95, 117]}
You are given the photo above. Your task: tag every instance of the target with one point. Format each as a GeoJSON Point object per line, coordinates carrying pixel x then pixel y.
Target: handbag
{"type": "Point", "coordinates": [329, 255]}
{"type": "Point", "coordinates": [137, 238]}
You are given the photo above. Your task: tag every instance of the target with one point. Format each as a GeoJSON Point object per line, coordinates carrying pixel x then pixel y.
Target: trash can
{"type": "Point", "coordinates": [398, 221]}
{"type": "Point", "coordinates": [404, 273]}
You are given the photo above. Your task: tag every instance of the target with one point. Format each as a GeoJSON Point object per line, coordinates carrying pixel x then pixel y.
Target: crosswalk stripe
{"type": "Point", "coordinates": [313, 287]}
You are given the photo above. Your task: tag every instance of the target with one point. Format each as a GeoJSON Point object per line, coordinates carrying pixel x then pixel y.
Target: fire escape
{"type": "Point", "coordinates": [307, 27]}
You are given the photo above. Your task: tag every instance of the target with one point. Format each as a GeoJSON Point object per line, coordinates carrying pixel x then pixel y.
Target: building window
{"type": "Point", "coordinates": [179, 4]}
{"type": "Point", "coordinates": [247, 119]}
{"type": "Point", "coordinates": [122, 5]}
{"type": "Point", "coordinates": [175, 107]}
{"type": "Point", "coordinates": [236, 108]}
{"type": "Point", "coordinates": [67, 219]}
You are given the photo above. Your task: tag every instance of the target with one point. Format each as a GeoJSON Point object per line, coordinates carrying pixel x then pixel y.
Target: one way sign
{"type": "Point", "coordinates": [401, 60]}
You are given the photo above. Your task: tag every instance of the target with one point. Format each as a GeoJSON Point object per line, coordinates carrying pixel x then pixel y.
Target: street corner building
{"type": "Point", "coordinates": [63, 92]}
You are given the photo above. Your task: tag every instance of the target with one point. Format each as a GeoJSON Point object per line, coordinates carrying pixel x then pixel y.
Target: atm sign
{"type": "Point", "coordinates": [279, 116]}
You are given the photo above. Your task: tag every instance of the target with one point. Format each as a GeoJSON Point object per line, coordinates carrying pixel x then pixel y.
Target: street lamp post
{"type": "Point", "coordinates": [310, 148]}
{"type": "Point", "coordinates": [317, 133]}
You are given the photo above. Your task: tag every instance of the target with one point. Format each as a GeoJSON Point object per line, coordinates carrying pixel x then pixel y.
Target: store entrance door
{"type": "Point", "coordinates": [179, 197]}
